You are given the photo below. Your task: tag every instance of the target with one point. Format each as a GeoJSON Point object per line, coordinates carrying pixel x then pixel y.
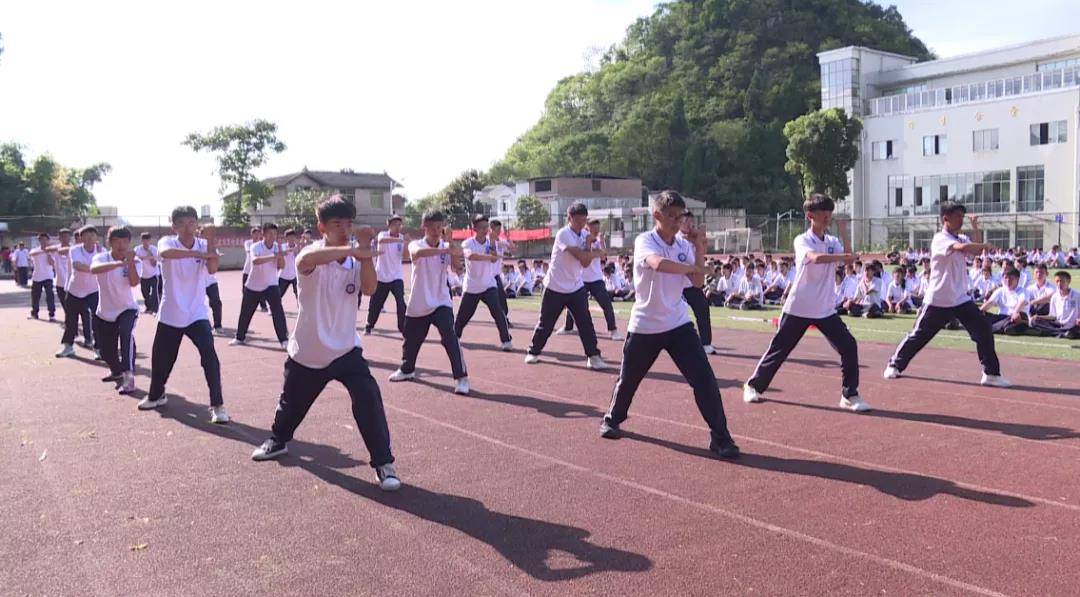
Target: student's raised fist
{"type": "Point", "coordinates": [363, 234]}
{"type": "Point", "coordinates": [365, 252]}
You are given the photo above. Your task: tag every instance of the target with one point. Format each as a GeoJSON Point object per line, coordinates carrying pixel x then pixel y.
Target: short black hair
{"type": "Point", "coordinates": [43, 235]}
{"type": "Point", "coordinates": [899, 270]}
{"type": "Point", "coordinates": [118, 232]}
{"type": "Point", "coordinates": [726, 266]}
{"type": "Point", "coordinates": [951, 207]}
{"type": "Point", "coordinates": [87, 228]}
{"type": "Point", "coordinates": [479, 218]}
{"type": "Point", "coordinates": [1063, 275]}
{"type": "Point", "coordinates": [308, 231]}
{"type": "Point", "coordinates": [145, 236]}
{"type": "Point", "coordinates": [432, 215]}
{"type": "Point", "coordinates": [668, 199]}
{"type": "Point", "coordinates": [495, 223]}
{"type": "Point", "coordinates": [594, 221]}
{"type": "Point", "coordinates": [1012, 272]}
{"type": "Point", "coordinates": [522, 262]}
{"type": "Point", "coordinates": [255, 229]}
{"type": "Point", "coordinates": [64, 231]}
{"type": "Point", "coordinates": [335, 208]}
{"type": "Point", "coordinates": [577, 208]}
{"type": "Point", "coordinates": [818, 202]}
{"type": "Point", "coordinates": [1041, 267]}
{"type": "Point", "coordinates": [393, 218]}
{"type": "Point", "coordinates": [269, 226]}
{"type": "Point", "coordinates": [183, 211]}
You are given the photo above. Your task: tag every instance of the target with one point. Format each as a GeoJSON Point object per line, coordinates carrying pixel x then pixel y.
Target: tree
{"type": "Point", "coordinates": [458, 197]}
{"type": "Point", "coordinates": [532, 213]}
{"type": "Point", "coordinates": [46, 187]}
{"type": "Point", "coordinates": [414, 209]}
{"type": "Point", "coordinates": [821, 149]}
{"type": "Point", "coordinates": [240, 149]}
{"type": "Point", "coordinates": [300, 205]}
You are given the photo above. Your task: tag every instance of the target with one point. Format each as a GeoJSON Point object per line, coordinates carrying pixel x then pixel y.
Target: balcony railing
{"type": "Point", "coordinates": [931, 209]}
{"type": "Point", "coordinates": [929, 99]}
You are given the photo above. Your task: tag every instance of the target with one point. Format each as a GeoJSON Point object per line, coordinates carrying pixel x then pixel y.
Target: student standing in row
{"type": "Point", "coordinates": [592, 277]}
{"type": "Point", "coordinates": [21, 258]}
{"type": "Point", "coordinates": [287, 273]}
{"type": "Point", "coordinates": [261, 286]}
{"type": "Point", "coordinates": [503, 248]}
{"type": "Point", "coordinates": [213, 295]}
{"type": "Point", "coordinates": [149, 275]}
{"type": "Point", "coordinates": [117, 310]}
{"type": "Point", "coordinates": [62, 267]}
{"type": "Point", "coordinates": [811, 301]}
{"type": "Point", "coordinates": [42, 278]}
{"type": "Point", "coordinates": [947, 298]}
{"type": "Point", "coordinates": [693, 292]}
{"type": "Point", "coordinates": [480, 282]}
{"type": "Point", "coordinates": [430, 303]}
{"type": "Point", "coordinates": [659, 321]}
{"type": "Point", "coordinates": [82, 293]}
{"type": "Point", "coordinates": [325, 346]}
{"type": "Point", "coordinates": [256, 236]}
{"type": "Point", "coordinates": [391, 243]}
{"type": "Point", "coordinates": [563, 288]}
{"type": "Point", "coordinates": [185, 262]}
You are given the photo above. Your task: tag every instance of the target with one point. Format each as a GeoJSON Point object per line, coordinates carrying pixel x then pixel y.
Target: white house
{"type": "Point", "coordinates": [995, 130]}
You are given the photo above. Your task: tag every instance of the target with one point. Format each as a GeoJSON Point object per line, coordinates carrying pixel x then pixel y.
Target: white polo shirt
{"type": "Point", "coordinates": [502, 247]}
{"type": "Point", "coordinates": [1065, 308]}
{"type": "Point", "coordinates": [289, 271]}
{"type": "Point", "coordinates": [62, 267]}
{"type": "Point", "coordinates": [42, 270]}
{"type": "Point", "coordinates": [1035, 293]}
{"type": "Point", "coordinates": [948, 284]}
{"type": "Point", "coordinates": [594, 272]}
{"type": "Point", "coordinates": [21, 257]}
{"type": "Point", "coordinates": [658, 300]}
{"type": "Point", "coordinates": [247, 255]}
{"type": "Point", "coordinates": [564, 271]}
{"type": "Point", "coordinates": [479, 275]}
{"type": "Point", "coordinates": [262, 274]}
{"type": "Point", "coordinates": [388, 265]}
{"type": "Point", "coordinates": [183, 301]}
{"type": "Point", "coordinates": [846, 290]}
{"type": "Point", "coordinates": [325, 327]}
{"type": "Point", "coordinates": [144, 254]}
{"type": "Point", "coordinates": [82, 284]}
{"type": "Point", "coordinates": [116, 296]}
{"type": "Point", "coordinates": [1007, 300]}
{"type": "Point", "coordinates": [428, 280]}
{"type": "Point", "coordinates": [813, 292]}
{"type": "Point", "coordinates": [751, 288]}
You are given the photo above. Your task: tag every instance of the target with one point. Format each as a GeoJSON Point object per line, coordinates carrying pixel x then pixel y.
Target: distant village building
{"type": "Point", "coordinates": [372, 193]}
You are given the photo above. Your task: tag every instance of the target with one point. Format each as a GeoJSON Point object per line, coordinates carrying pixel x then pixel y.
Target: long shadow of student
{"type": "Point", "coordinates": [904, 486]}
{"type": "Point", "coordinates": [527, 543]}
{"type": "Point", "coordinates": [1036, 432]}
{"type": "Point", "coordinates": [551, 408]}
{"type": "Point", "coordinates": [1071, 392]}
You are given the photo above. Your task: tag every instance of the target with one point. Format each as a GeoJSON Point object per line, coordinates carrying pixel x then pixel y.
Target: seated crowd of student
{"type": "Point", "coordinates": [1055, 257]}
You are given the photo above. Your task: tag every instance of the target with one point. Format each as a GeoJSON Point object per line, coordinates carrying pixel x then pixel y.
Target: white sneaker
{"type": "Point", "coordinates": [388, 479]}
{"type": "Point", "coordinates": [285, 345]}
{"type": "Point", "coordinates": [400, 375]}
{"type": "Point", "coordinates": [127, 383]}
{"type": "Point", "coordinates": [709, 349]}
{"type": "Point", "coordinates": [506, 346]}
{"type": "Point", "coordinates": [462, 386]}
{"type": "Point", "coordinates": [616, 336]}
{"type": "Point", "coordinates": [236, 342]}
{"type": "Point", "coordinates": [532, 359]}
{"type": "Point", "coordinates": [218, 416]}
{"type": "Point", "coordinates": [750, 395]}
{"type": "Point", "coordinates": [565, 332]}
{"type": "Point", "coordinates": [891, 372]}
{"type": "Point", "coordinates": [854, 403]}
{"type": "Point", "coordinates": [66, 350]}
{"type": "Point", "coordinates": [596, 363]}
{"type": "Point", "coordinates": [996, 381]}
{"type": "Point", "coordinates": [149, 404]}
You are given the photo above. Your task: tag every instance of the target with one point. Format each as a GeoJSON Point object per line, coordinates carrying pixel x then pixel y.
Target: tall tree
{"type": "Point", "coordinates": [300, 207]}
{"type": "Point", "coordinates": [459, 198]}
{"type": "Point", "coordinates": [532, 213]}
{"type": "Point", "coordinates": [46, 187]}
{"type": "Point", "coordinates": [240, 149]}
{"type": "Point", "coordinates": [822, 147]}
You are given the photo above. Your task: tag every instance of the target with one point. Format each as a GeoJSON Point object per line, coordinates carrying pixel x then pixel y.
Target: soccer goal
{"type": "Point", "coordinates": [732, 240]}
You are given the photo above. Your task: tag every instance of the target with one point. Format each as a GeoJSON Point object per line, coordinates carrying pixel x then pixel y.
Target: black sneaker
{"type": "Point", "coordinates": [726, 450]}
{"type": "Point", "coordinates": [112, 378]}
{"type": "Point", "coordinates": [269, 450]}
{"type": "Point", "coordinates": [609, 430]}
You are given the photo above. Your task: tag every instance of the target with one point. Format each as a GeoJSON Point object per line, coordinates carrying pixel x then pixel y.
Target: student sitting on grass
{"type": "Point", "coordinates": [985, 285]}
{"type": "Point", "coordinates": [915, 287]}
{"type": "Point", "coordinates": [775, 289]}
{"type": "Point", "coordinates": [1012, 305]}
{"type": "Point", "coordinates": [1039, 292]}
{"type": "Point", "coordinates": [845, 287]}
{"type": "Point", "coordinates": [1064, 306]}
{"type": "Point", "coordinates": [748, 295]}
{"type": "Point", "coordinates": [1073, 258]}
{"type": "Point", "coordinates": [868, 301]}
{"type": "Point", "coordinates": [723, 286]}
{"type": "Point", "coordinates": [897, 299]}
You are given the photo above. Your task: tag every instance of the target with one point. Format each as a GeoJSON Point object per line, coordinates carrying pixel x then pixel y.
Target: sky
{"type": "Point", "coordinates": [419, 89]}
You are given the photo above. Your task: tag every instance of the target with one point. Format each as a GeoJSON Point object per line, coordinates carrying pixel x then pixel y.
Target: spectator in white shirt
{"type": "Point", "coordinates": [775, 287]}
{"type": "Point", "coordinates": [723, 286]}
{"type": "Point", "coordinates": [1039, 292]}
{"type": "Point", "coordinates": [868, 300]}
{"type": "Point", "coordinates": [984, 286]}
{"type": "Point", "coordinates": [525, 279]}
{"type": "Point", "coordinates": [748, 296]}
{"type": "Point", "coordinates": [914, 285]}
{"type": "Point", "coordinates": [845, 289]}
{"type": "Point", "coordinates": [896, 296]}
{"type": "Point", "coordinates": [510, 280]}
{"type": "Point", "coordinates": [1011, 301]}
{"type": "Point", "coordinates": [1062, 319]}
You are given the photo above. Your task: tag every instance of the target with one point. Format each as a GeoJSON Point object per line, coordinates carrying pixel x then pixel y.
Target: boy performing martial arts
{"type": "Point", "coordinates": [563, 288]}
{"type": "Point", "coordinates": [149, 274]}
{"type": "Point", "coordinates": [390, 243]}
{"type": "Point", "coordinates": [42, 278]}
{"type": "Point", "coordinates": [82, 293]}
{"type": "Point", "coordinates": [117, 310]}
{"type": "Point", "coordinates": [694, 293]}
{"type": "Point", "coordinates": [592, 276]}
{"type": "Point", "coordinates": [480, 282]}
{"type": "Point", "coordinates": [811, 301]}
{"type": "Point", "coordinates": [325, 346]}
{"type": "Point", "coordinates": [185, 262]}
{"type": "Point", "coordinates": [430, 303]}
{"type": "Point", "coordinates": [262, 286]}
{"type": "Point", "coordinates": [659, 321]}
{"type": "Point", "coordinates": [947, 298]}
{"type": "Point", "coordinates": [287, 274]}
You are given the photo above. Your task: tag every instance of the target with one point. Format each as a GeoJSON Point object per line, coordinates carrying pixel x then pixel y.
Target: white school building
{"type": "Point", "coordinates": [995, 130]}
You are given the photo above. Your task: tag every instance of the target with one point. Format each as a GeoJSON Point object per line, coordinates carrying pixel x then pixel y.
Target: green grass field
{"type": "Point", "coordinates": [888, 330]}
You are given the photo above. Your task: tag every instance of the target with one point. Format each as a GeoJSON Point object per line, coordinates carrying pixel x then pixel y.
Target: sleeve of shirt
{"type": "Point", "coordinates": [644, 248]}
{"type": "Point", "coordinates": [469, 246]}
{"type": "Point", "coordinates": [566, 238]}
{"type": "Point", "coordinates": [305, 251]}
{"type": "Point", "coordinates": [802, 247]}
{"type": "Point", "coordinates": [941, 245]}
{"type": "Point", "coordinates": [100, 258]}
{"type": "Point", "coordinates": [166, 243]}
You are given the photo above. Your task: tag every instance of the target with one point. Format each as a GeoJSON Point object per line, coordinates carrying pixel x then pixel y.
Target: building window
{"type": "Point", "coordinates": [918, 197]}
{"type": "Point", "coordinates": [898, 197]}
{"type": "Point", "coordinates": [882, 150]}
{"type": "Point", "coordinates": [840, 86]}
{"type": "Point", "coordinates": [348, 195]}
{"type": "Point", "coordinates": [542, 186]}
{"type": "Point", "coordinates": [1031, 184]}
{"type": "Point", "coordinates": [377, 200]}
{"type": "Point", "coordinates": [997, 237]}
{"type": "Point", "coordinates": [990, 192]}
{"type": "Point", "coordinates": [923, 238]}
{"type": "Point", "coordinates": [504, 208]}
{"type": "Point", "coordinates": [1029, 237]}
{"type": "Point", "coordinates": [1058, 64]}
{"type": "Point", "coordinates": [596, 185]}
{"type": "Point", "coordinates": [1045, 133]}
{"type": "Point", "coordinates": [984, 140]}
{"type": "Point", "coordinates": [935, 145]}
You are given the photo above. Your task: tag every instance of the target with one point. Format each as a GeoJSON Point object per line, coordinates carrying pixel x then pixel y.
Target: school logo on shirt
{"type": "Point", "coordinates": [682, 256]}
{"type": "Point", "coordinates": [124, 270]}
{"type": "Point", "coordinates": [832, 250]}
{"type": "Point", "coordinates": [350, 289]}
{"type": "Point", "coordinates": [443, 259]}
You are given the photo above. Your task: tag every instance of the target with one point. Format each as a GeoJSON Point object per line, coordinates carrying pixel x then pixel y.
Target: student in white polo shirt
{"type": "Point", "coordinates": [1040, 291]}
{"type": "Point", "coordinates": [811, 301]}
{"type": "Point", "coordinates": [947, 298]}
{"type": "Point", "coordinates": [391, 243]}
{"type": "Point", "coordinates": [430, 303]}
{"type": "Point", "coordinates": [659, 321]}
{"type": "Point", "coordinates": [20, 257]}
{"type": "Point", "coordinates": [480, 283]}
{"type": "Point", "coordinates": [694, 293]}
{"type": "Point", "coordinates": [571, 252]}
{"type": "Point", "coordinates": [503, 248]}
{"type": "Point", "coordinates": [82, 293]}
{"type": "Point", "coordinates": [149, 273]}
{"type": "Point", "coordinates": [185, 262]}
{"type": "Point", "coordinates": [1064, 307]}
{"type": "Point", "coordinates": [592, 276]}
{"type": "Point", "coordinates": [261, 285]}
{"type": "Point", "coordinates": [42, 278]}
{"type": "Point", "coordinates": [325, 347]}
{"type": "Point", "coordinates": [287, 273]}
{"type": "Point", "coordinates": [62, 267]}
{"type": "Point", "coordinates": [256, 236]}
{"type": "Point", "coordinates": [1012, 305]}
{"type": "Point", "coordinates": [213, 295]}
{"type": "Point", "coordinates": [117, 310]}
